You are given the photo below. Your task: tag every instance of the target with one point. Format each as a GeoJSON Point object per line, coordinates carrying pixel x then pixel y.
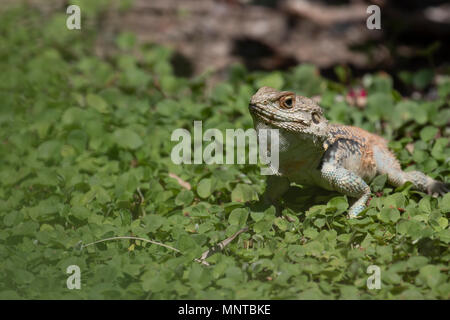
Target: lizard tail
{"type": "Point", "coordinates": [425, 183]}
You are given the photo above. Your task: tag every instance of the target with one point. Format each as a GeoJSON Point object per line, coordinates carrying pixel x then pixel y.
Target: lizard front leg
{"type": "Point", "coordinates": [348, 183]}
{"type": "Point", "coordinates": [276, 187]}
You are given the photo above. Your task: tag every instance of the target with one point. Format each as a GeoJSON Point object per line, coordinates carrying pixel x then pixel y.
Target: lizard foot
{"type": "Point", "coordinates": [438, 188]}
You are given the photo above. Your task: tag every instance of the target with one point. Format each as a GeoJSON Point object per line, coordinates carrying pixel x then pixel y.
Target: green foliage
{"type": "Point", "coordinates": [85, 155]}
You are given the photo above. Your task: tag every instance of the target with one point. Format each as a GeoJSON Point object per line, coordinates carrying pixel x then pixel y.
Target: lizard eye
{"type": "Point", "coordinates": [287, 102]}
{"type": "Point", "coordinates": [315, 117]}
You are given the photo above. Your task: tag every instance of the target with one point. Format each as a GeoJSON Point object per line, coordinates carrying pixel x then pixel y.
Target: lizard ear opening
{"type": "Point", "coordinates": [287, 102]}
{"type": "Point", "coordinates": [315, 117]}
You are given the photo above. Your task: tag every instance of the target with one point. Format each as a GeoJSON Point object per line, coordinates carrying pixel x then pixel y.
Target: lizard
{"type": "Point", "coordinates": [335, 157]}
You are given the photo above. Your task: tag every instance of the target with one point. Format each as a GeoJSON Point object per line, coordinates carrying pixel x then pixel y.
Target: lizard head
{"type": "Point", "coordinates": [288, 111]}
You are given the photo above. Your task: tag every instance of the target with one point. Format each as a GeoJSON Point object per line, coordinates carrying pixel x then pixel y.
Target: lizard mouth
{"type": "Point", "coordinates": [270, 117]}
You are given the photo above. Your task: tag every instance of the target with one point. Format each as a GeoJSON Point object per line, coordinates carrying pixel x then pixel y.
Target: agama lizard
{"type": "Point", "coordinates": [332, 156]}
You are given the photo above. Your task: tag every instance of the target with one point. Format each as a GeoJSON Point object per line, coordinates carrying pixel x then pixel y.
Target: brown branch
{"type": "Point", "coordinates": [180, 181]}
{"type": "Point", "coordinates": [219, 247]}
{"type": "Point", "coordinates": [326, 15]}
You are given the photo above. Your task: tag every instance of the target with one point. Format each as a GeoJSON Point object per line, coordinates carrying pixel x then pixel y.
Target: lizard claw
{"type": "Point", "coordinates": [438, 188]}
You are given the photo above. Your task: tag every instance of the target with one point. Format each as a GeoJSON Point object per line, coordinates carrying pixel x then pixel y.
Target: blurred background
{"type": "Point", "coordinates": [210, 35]}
